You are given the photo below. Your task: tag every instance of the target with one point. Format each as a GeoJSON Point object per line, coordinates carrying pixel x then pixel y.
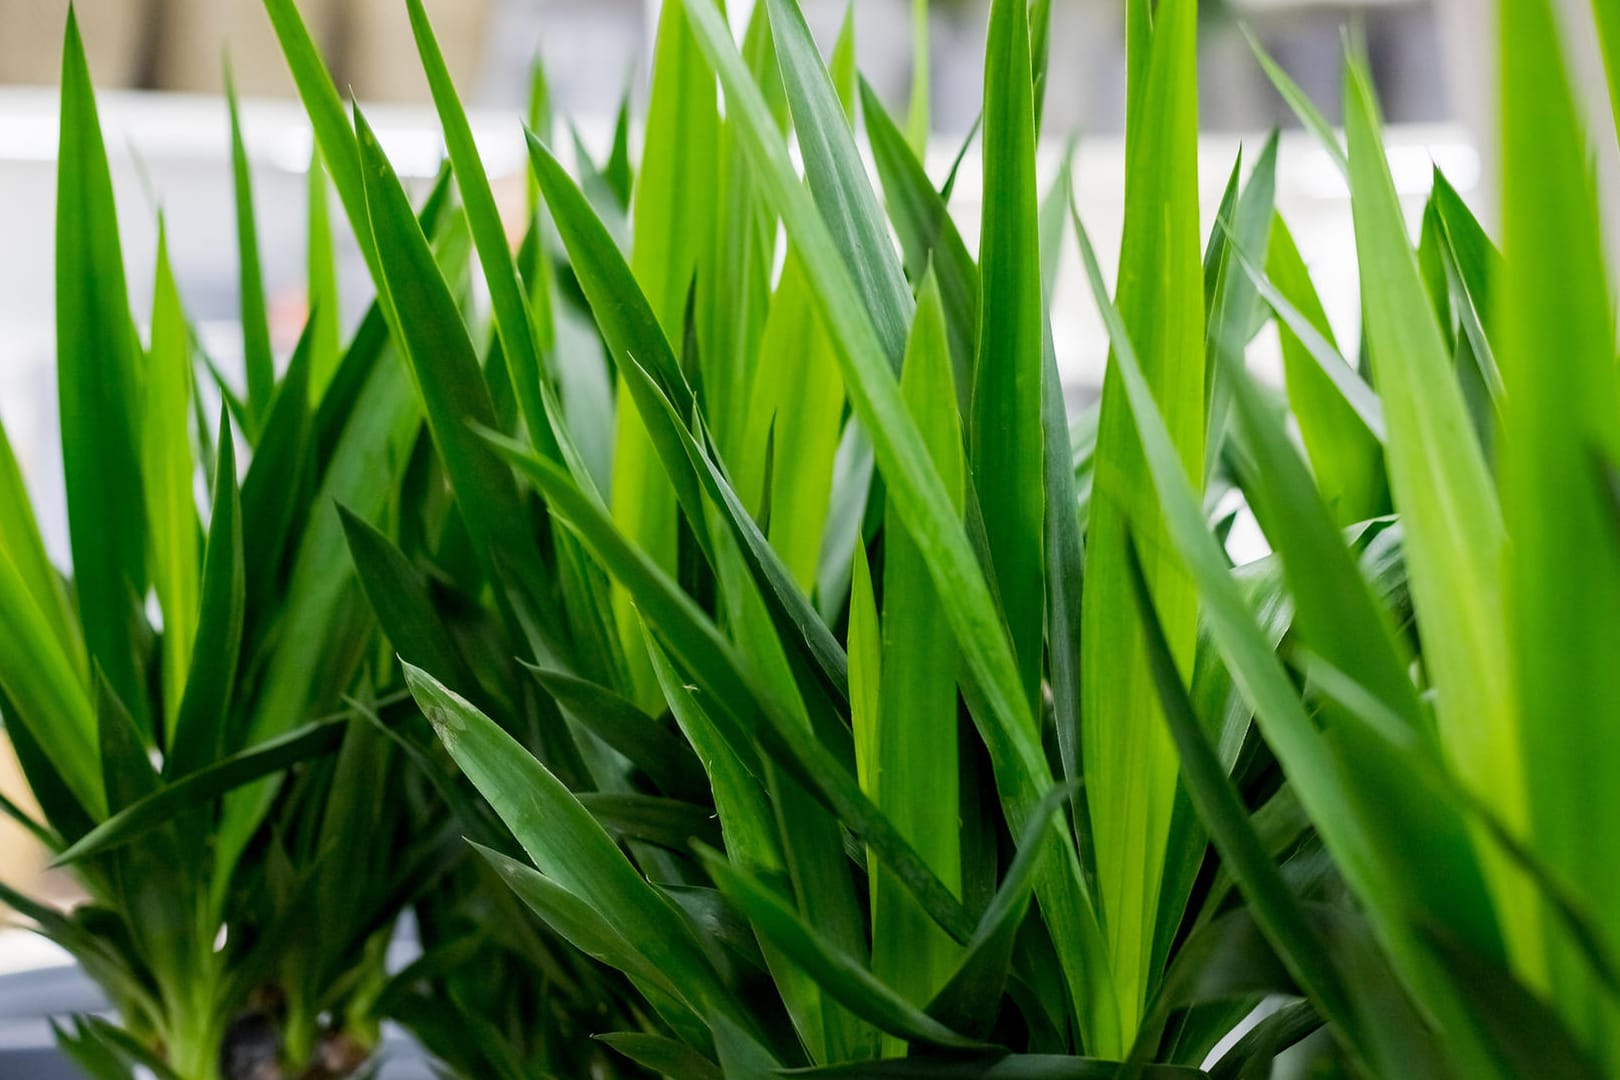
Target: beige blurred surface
{"type": "Point", "coordinates": [21, 857]}
{"type": "Point", "coordinates": [116, 34]}
{"type": "Point", "coordinates": [378, 34]}
{"type": "Point", "coordinates": [181, 44]}
{"type": "Point", "coordinates": [195, 35]}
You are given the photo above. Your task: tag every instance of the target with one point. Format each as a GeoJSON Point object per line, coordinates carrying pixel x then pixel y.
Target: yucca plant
{"type": "Point", "coordinates": [196, 707]}
{"type": "Point", "coordinates": [859, 729]}
{"type": "Point", "coordinates": [835, 700]}
{"type": "Point", "coordinates": [844, 530]}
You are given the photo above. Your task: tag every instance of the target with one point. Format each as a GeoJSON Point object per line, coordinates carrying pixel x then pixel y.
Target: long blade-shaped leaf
{"type": "Point", "coordinates": [513, 323]}
{"type": "Point", "coordinates": [919, 120]}
{"type": "Point", "coordinates": [838, 180]}
{"type": "Point", "coordinates": [1345, 453]}
{"type": "Point", "coordinates": [23, 545]}
{"type": "Point", "coordinates": [915, 776]}
{"type": "Point", "coordinates": [333, 134]}
{"type": "Point", "coordinates": [1558, 366]}
{"type": "Point", "coordinates": [1608, 27]}
{"type": "Point", "coordinates": [199, 729]}
{"type": "Point", "coordinates": [166, 464]}
{"type": "Point", "coordinates": [321, 258]}
{"type": "Point", "coordinates": [807, 392]}
{"type": "Point", "coordinates": [1456, 545]}
{"type": "Point", "coordinates": [96, 382]}
{"type": "Point", "coordinates": [1005, 434]}
{"type": "Point", "coordinates": [1130, 765]}
{"type": "Point", "coordinates": [672, 220]}
{"type": "Point", "coordinates": [837, 973]}
{"type": "Point", "coordinates": [650, 374]}
{"type": "Point", "coordinates": [163, 805]}
{"type": "Point", "coordinates": [928, 237]}
{"type": "Point", "coordinates": [47, 706]}
{"type": "Point", "coordinates": [260, 361]}
{"type": "Point", "coordinates": [567, 844]}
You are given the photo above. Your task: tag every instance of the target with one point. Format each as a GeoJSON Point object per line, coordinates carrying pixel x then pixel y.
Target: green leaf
{"type": "Point", "coordinates": [841, 65]}
{"type": "Point", "coordinates": [799, 385]}
{"type": "Point", "coordinates": [275, 490]}
{"type": "Point", "coordinates": [24, 548]}
{"type": "Point", "coordinates": [48, 783]}
{"type": "Point", "coordinates": [919, 124]}
{"type": "Point", "coordinates": [161, 806]}
{"type": "Point", "coordinates": [1301, 104]}
{"type": "Point", "coordinates": [1232, 301]}
{"type": "Point", "coordinates": [838, 179]}
{"type": "Point", "coordinates": [1065, 589]}
{"type": "Point", "coordinates": [1130, 765]}
{"type": "Point", "coordinates": [648, 372]}
{"type": "Point", "coordinates": [747, 823]}
{"type": "Point", "coordinates": [1340, 420]}
{"type": "Point", "coordinates": [334, 136]}
{"type": "Point", "coordinates": [371, 429]}
{"type": "Point", "coordinates": [1054, 213]}
{"type": "Point", "coordinates": [840, 975]}
{"type": "Point", "coordinates": [126, 1048]}
{"type": "Point", "coordinates": [616, 170]}
{"type": "Point", "coordinates": [1305, 324]}
{"type": "Point", "coordinates": [865, 672]}
{"type": "Point", "coordinates": [669, 823]}
{"type": "Point", "coordinates": [160, 919]}
{"type": "Point", "coordinates": [567, 844]}
{"type": "Point", "coordinates": [1004, 435]}
{"type": "Point", "coordinates": [913, 773]}
{"type": "Point", "coordinates": [513, 322]}
{"type": "Point", "coordinates": [666, 759]}
{"type": "Point", "coordinates": [259, 360]}
{"type": "Point", "coordinates": [401, 596]}
{"type": "Point", "coordinates": [1455, 541]}
{"type": "Point", "coordinates": [732, 310]}
{"type": "Point", "coordinates": [448, 377]}
{"type": "Point", "coordinates": [325, 311]}
{"type": "Point", "coordinates": [928, 237]}
{"type": "Point", "coordinates": [576, 920]}
{"type": "Point", "coordinates": [1556, 322]}
{"type": "Point", "coordinates": [1608, 28]}
{"type": "Point", "coordinates": [673, 212]}
{"type": "Point", "coordinates": [1335, 612]}
{"type": "Point", "coordinates": [94, 952]}
{"type": "Point", "coordinates": [171, 506]}
{"type": "Point", "coordinates": [666, 1057]}
{"type": "Point", "coordinates": [1529, 1036]}
{"type": "Point", "coordinates": [200, 726]}
{"type": "Point", "coordinates": [672, 225]}
{"type": "Point", "coordinates": [47, 709]}
{"type": "Point", "coordinates": [97, 378]}
{"type": "Point", "coordinates": [1040, 47]}
{"type": "Point", "coordinates": [631, 330]}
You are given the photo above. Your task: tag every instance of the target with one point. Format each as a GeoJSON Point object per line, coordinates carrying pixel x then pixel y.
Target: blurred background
{"type": "Point", "coordinates": [595, 48]}
{"type": "Point", "coordinates": [158, 66]}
